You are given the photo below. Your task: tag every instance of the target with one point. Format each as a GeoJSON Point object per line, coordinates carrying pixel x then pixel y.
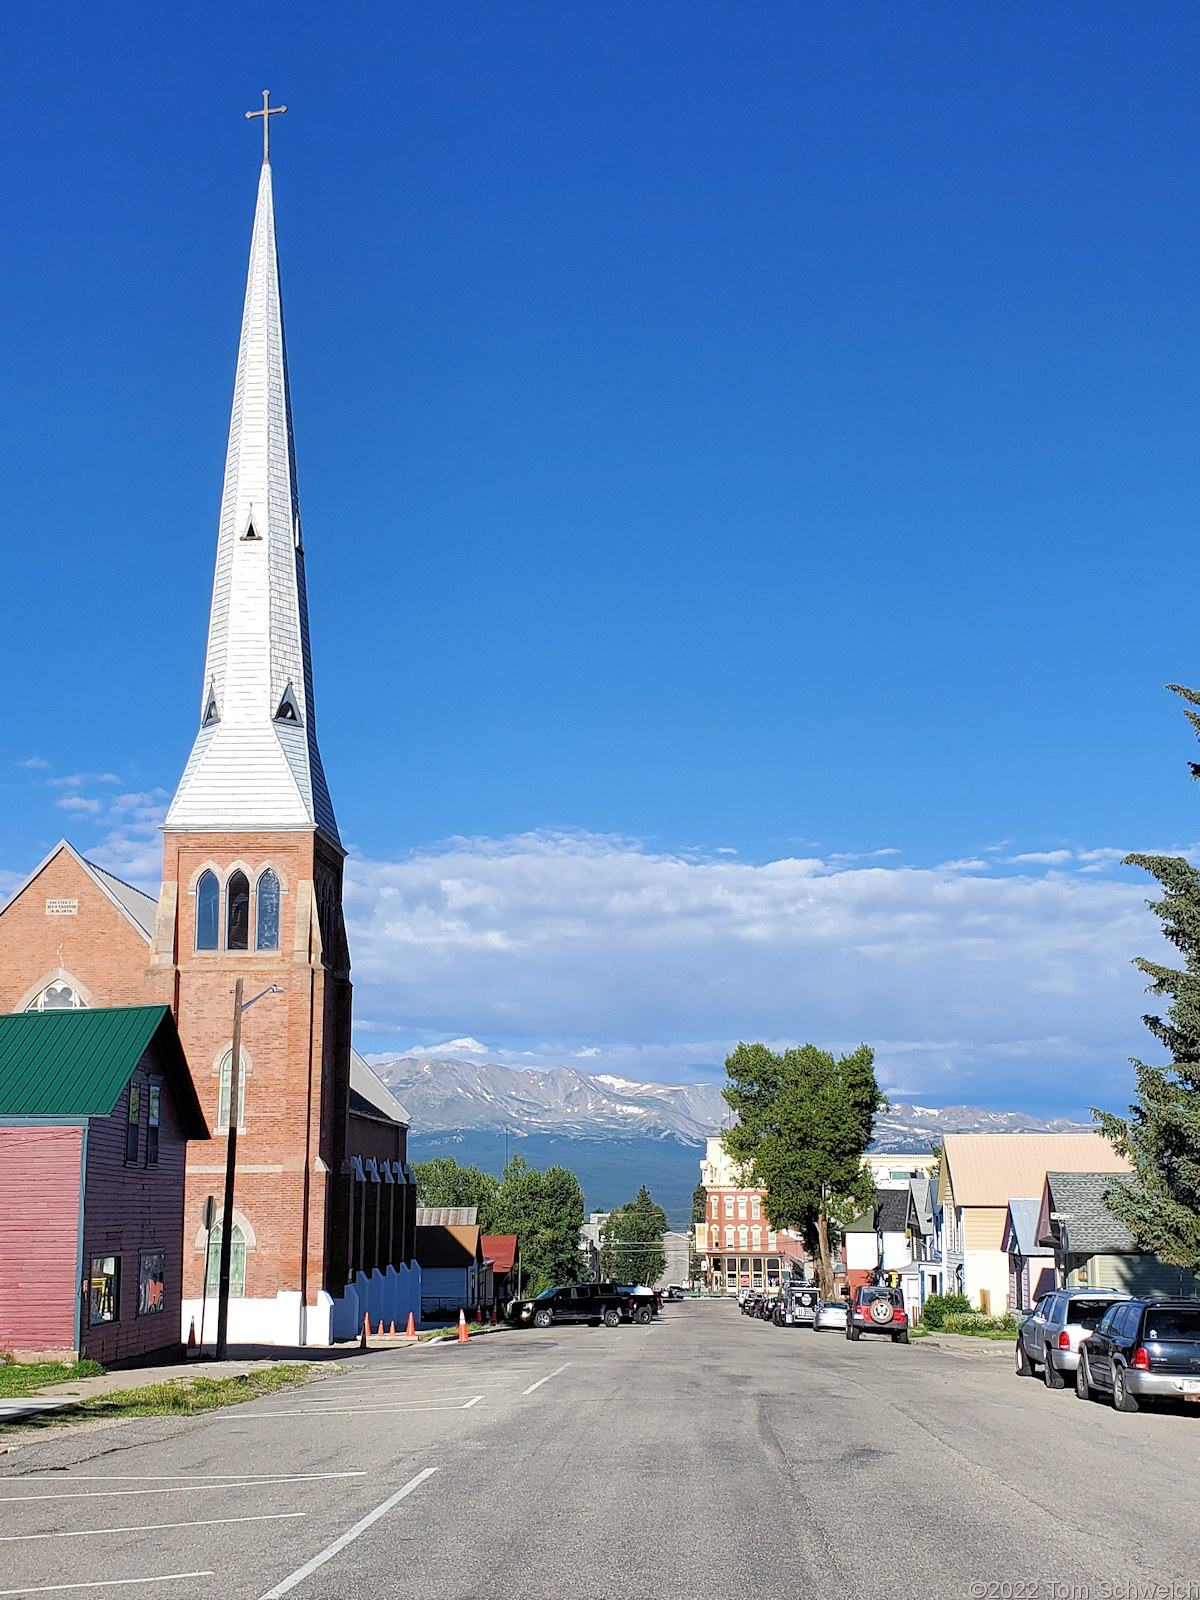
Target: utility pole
{"type": "Point", "coordinates": [235, 1076]}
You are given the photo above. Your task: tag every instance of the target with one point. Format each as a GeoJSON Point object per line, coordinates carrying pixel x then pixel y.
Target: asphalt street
{"type": "Point", "coordinates": [706, 1457]}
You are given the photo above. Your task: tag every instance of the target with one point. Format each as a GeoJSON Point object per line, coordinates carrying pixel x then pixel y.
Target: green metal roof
{"type": "Point", "coordinates": [72, 1063]}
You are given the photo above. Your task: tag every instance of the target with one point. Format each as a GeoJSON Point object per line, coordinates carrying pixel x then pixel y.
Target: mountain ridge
{"type": "Point", "coordinates": [445, 1095]}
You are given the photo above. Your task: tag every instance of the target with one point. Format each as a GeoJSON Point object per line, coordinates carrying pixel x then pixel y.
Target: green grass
{"type": "Point", "coordinates": [185, 1397]}
{"type": "Point", "coordinates": [18, 1378]}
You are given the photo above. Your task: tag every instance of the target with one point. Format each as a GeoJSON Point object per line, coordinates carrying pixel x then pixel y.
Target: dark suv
{"type": "Point", "coordinates": [1144, 1349]}
{"type": "Point", "coordinates": [578, 1302]}
{"type": "Point", "coordinates": [876, 1309]}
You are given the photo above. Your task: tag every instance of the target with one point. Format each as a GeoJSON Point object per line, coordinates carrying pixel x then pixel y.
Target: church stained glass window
{"type": "Point", "coordinates": [237, 1262]}
{"type": "Point", "coordinates": [208, 896]}
{"type": "Point", "coordinates": [56, 997]}
{"type": "Point", "coordinates": [223, 1096]}
{"type": "Point", "coordinates": [266, 933]}
{"type": "Point", "coordinates": [237, 912]}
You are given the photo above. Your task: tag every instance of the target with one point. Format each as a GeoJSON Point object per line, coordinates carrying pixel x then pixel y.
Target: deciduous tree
{"type": "Point", "coordinates": [632, 1247]}
{"type": "Point", "coordinates": [804, 1120]}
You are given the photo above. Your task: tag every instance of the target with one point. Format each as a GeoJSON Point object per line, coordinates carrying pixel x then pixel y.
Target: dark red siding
{"type": "Point", "coordinates": [39, 1239]}
{"type": "Point", "coordinates": [132, 1208]}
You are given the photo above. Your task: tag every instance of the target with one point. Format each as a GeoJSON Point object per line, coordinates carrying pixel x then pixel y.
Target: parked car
{"type": "Point", "coordinates": [877, 1309]}
{"type": "Point", "coordinates": [797, 1306]}
{"type": "Point", "coordinates": [673, 1291]}
{"type": "Point", "coordinates": [594, 1303]}
{"type": "Point", "coordinates": [830, 1314]}
{"type": "Point", "coordinates": [1049, 1337]}
{"type": "Point", "coordinates": [750, 1303]}
{"type": "Point", "coordinates": [637, 1303]}
{"type": "Point", "coordinates": [1144, 1349]}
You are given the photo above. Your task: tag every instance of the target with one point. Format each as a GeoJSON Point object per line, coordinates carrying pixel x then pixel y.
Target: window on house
{"type": "Point", "coordinates": [755, 1211]}
{"type": "Point", "coordinates": [155, 1099]}
{"type": "Point", "coordinates": [152, 1270]}
{"type": "Point", "coordinates": [133, 1121]}
{"type": "Point", "coordinates": [237, 1262]}
{"type": "Point", "coordinates": [743, 1239]}
{"type": "Point", "coordinates": [756, 1238]}
{"type": "Point", "coordinates": [266, 912]}
{"type": "Point", "coordinates": [237, 912]}
{"type": "Point", "coordinates": [728, 1205]}
{"type": "Point", "coordinates": [104, 1290]}
{"type": "Point", "coordinates": [741, 1208]}
{"type": "Point", "coordinates": [729, 1238]}
{"type": "Point", "coordinates": [223, 1098]}
{"type": "Point", "coordinates": [208, 899]}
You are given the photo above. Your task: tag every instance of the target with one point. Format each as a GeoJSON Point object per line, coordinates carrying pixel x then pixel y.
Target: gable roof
{"type": "Point", "coordinates": [891, 1210]}
{"type": "Point", "coordinates": [984, 1169]}
{"type": "Point", "coordinates": [1085, 1225]}
{"type": "Point", "coordinates": [501, 1250]}
{"type": "Point", "coordinates": [1021, 1228]}
{"type": "Point", "coordinates": [377, 1099]}
{"type": "Point", "coordinates": [921, 1190]}
{"type": "Point", "coordinates": [441, 1245]}
{"type": "Point", "coordinates": [76, 1063]}
{"type": "Point", "coordinates": [137, 907]}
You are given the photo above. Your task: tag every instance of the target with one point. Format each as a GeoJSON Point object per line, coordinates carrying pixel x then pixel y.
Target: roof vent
{"type": "Point", "coordinates": [211, 712]}
{"type": "Point", "coordinates": [288, 710]}
{"type": "Point", "coordinates": [251, 531]}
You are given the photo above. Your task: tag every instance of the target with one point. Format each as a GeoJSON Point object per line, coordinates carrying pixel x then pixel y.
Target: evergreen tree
{"type": "Point", "coordinates": [1160, 1201]}
{"type": "Point", "coordinates": [699, 1203]}
{"type": "Point", "coordinates": [632, 1248]}
{"type": "Point", "coordinates": [804, 1121]}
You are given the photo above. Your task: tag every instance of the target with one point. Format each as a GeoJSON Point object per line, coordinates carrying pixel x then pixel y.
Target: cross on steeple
{"type": "Point", "coordinates": [268, 111]}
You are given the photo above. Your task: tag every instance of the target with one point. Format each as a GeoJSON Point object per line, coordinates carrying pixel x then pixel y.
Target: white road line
{"type": "Point", "coordinates": [473, 1402]}
{"type": "Point", "coordinates": [108, 1583]}
{"type": "Point", "coordinates": [149, 1527]}
{"type": "Point", "coordinates": [355, 1411]}
{"type": "Point", "coordinates": [546, 1379]}
{"type": "Point", "coordinates": [319, 1560]}
{"type": "Point", "coordinates": [106, 1494]}
{"type": "Point", "coordinates": [195, 1477]}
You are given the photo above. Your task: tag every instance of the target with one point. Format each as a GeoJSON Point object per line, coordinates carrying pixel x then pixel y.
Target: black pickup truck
{"type": "Point", "coordinates": [594, 1303]}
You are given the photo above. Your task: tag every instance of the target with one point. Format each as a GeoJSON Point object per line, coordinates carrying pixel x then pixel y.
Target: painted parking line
{"type": "Point", "coordinates": [331, 1550]}
{"type": "Point", "coordinates": [108, 1583]}
{"type": "Point", "coordinates": [237, 1478]}
{"type": "Point", "coordinates": [149, 1527]}
{"type": "Point", "coordinates": [360, 1411]}
{"type": "Point", "coordinates": [178, 1488]}
{"type": "Point", "coordinates": [546, 1379]}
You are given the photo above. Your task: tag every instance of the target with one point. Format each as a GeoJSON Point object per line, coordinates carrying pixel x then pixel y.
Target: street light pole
{"type": "Point", "coordinates": [235, 1077]}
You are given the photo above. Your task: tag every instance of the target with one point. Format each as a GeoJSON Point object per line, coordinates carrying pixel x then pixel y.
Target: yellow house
{"type": "Point", "coordinates": [981, 1173]}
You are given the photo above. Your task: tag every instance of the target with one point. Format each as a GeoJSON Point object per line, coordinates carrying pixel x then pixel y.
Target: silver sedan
{"type": "Point", "coordinates": [831, 1314]}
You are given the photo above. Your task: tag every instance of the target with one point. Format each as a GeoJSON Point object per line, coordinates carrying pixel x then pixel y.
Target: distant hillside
{"type": "Point", "coordinates": [457, 1096]}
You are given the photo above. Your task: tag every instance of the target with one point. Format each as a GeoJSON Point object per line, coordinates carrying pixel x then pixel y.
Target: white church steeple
{"type": "Point", "coordinates": [255, 763]}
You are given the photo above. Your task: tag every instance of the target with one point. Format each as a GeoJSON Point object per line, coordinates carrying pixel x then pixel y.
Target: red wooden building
{"type": "Point", "coordinates": [96, 1108]}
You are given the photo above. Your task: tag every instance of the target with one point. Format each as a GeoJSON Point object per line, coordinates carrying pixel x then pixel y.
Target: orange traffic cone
{"type": "Point", "coordinates": [362, 1343]}
{"type": "Point", "coordinates": [391, 1330]}
{"type": "Point", "coordinates": [379, 1329]}
{"type": "Point", "coordinates": [411, 1331]}
{"type": "Point", "coordinates": [463, 1335]}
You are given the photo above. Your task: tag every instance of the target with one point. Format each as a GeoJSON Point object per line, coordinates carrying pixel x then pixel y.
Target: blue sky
{"type": "Point", "coordinates": [727, 433]}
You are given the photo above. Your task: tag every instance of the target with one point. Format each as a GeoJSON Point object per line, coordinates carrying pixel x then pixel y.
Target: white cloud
{"type": "Point", "coordinates": [78, 802]}
{"type": "Point", "coordinates": [33, 763]}
{"type": "Point", "coordinates": [972, 985]}
{"type": "Point", "coordinates": [1042, 858]}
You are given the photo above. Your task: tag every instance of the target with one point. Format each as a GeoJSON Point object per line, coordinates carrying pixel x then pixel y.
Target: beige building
{"type": "Point", "coordinates": [980, 1174]}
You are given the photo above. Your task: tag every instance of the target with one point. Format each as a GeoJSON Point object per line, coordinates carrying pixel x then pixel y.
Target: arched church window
{"type": "Point", "coordinates": [237, 912]}
{"type": "Point", "coordinates": [266, 902]}
{"type": "Point", "coordinates": [56, 997]}
{"type": "Point", "coordinates": [208, 898]}
{"type": "Point", "coordinates": [223, 1097]}
{"type": "Point", "coordinates": [237, 1262]}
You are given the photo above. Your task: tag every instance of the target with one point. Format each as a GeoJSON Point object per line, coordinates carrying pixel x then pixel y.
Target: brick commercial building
{"type": "Point", "coordinates": [251, 889]}
{"type": "Point", "coordinates": [737, 1247]}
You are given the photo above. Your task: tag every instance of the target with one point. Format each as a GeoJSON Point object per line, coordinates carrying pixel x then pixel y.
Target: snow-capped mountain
{"type": "Point", "coordinates": [445, 1095]}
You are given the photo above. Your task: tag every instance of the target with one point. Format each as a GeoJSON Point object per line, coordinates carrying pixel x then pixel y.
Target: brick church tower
{"type": "Point", "coordinates": [252, 874]}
